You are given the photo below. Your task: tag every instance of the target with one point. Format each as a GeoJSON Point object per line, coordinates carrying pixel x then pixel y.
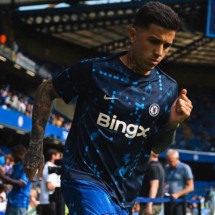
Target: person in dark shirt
{"type": "Point", "coordinates": [153, 186]}
{"type": "Point", "coordinates": [126, 107]}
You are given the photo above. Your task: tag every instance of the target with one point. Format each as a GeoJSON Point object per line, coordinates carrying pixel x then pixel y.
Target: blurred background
{"type": "Point", "coordinates": [39, 38]}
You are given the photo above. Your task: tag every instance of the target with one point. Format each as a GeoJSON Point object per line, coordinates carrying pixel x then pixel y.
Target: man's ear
{"type": "Point", "coordinates": [132, 34]}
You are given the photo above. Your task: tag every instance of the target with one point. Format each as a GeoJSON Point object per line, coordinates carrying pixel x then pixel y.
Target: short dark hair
{"type": "Point", "coordinates": [157, 13]}
{"type": "Point", "coordinates": [49, 154]}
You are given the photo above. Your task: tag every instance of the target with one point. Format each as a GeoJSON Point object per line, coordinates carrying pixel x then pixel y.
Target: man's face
{"type": "Point", "coordinates": [150, 45]}
{"type": "Point", "coordinates": [172, 161]}
{"type": "Point", "coordinates": [57, 156]}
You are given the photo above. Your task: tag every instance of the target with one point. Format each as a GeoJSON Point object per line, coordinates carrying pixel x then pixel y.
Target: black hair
{"type": "Point", "coordinates": [157, 13]}
{"type": "Point", "coordinates": [49, 154]}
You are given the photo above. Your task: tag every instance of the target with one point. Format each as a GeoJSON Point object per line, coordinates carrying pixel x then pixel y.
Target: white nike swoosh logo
{"type": "Point", "coordinates": [109, 98]}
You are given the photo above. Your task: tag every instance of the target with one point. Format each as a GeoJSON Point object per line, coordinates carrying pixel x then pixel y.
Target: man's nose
{"type": "Point", "coordinates": [158, 51]}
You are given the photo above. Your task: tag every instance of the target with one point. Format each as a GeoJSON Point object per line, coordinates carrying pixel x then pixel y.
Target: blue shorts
{"type": "Point", "coordinates": [11, 210]}
{"type": "Point", "coordinates": [87, 198]}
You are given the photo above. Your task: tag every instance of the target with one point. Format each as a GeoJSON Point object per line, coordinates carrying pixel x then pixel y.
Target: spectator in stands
{"type": "Point", "coordinates": [6, 99]}
{"type": "Point", "coordinates": [29, 109]}
{"type": "Point", "coordinates": [126, 107]}
{"type": "Point", "coordinates": [21, 103]}
{"type": "Point", "coordinates": [58, 121]}
{"type": "Point", "coordinates": [178, 182]}
{"type": "Point", "coordinates": [14, 101]}
{"type": "Point", "coordinates": [18, 197]}
{"type": "Point", "coordinates": [153, 186]}
{"type": "Point", "coordinates": [8, 165]}
{"type": "Point", "coordinates": [49, 184]}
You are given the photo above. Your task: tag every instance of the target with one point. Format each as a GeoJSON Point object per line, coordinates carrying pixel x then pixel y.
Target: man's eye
{"type": "Point", "coordinates": [155, 42]}
{"type": "Point", "coordinates": [166, 45]}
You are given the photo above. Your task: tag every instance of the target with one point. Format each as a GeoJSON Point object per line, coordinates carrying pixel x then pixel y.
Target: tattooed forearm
{"type": "Point", "coordinates": [34, 159]}
{"type": "Point", "coordinates": [34, 156]}
{"type": "Point", "coordinates": [41, 110]}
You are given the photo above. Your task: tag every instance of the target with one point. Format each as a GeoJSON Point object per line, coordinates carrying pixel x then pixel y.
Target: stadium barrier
{"type": "Point", "coordinates": [171, 200]}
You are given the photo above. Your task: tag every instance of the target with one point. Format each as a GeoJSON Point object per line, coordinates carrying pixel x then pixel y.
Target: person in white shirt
{"type": "Point", "coordinates": [49, 183]}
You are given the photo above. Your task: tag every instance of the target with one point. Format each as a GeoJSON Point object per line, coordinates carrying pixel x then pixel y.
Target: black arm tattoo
{"type": "Point", "coordinates": [41, 110]}
{"type": "Point", "coordinates": [34, 156]}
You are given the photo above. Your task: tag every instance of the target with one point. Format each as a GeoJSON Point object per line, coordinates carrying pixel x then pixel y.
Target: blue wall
{"type": "Point", "coordinates": [19, 121]}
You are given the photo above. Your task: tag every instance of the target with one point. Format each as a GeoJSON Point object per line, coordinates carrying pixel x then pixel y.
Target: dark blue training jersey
{"type": "Point", "coordinates": [116, 115]}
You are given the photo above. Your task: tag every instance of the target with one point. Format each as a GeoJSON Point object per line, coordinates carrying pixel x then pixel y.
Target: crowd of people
{"type": "Point", "coordinates": [127, 109]}
{"type": "Point", "coordinates": [12, 99]}
{"type": "Point", "coordinates": [197, 133]}
{"type": "Point", "coordinates": [170, 179]}
{"type": "Point", "coordinates": [21, 197]}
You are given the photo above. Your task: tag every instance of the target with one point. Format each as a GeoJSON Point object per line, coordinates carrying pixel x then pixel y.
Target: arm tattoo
{"type": "Point", "coordinates": [34, 157]}
{"type": "Point", "coordinates": [41, 110]}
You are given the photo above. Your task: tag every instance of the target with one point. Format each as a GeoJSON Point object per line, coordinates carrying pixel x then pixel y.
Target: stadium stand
{"type": "Point", "coordinates": [33, 51]}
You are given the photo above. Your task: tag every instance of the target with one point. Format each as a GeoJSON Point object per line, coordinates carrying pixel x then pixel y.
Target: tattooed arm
{"type": "Point", "coordinates": [34, 159]}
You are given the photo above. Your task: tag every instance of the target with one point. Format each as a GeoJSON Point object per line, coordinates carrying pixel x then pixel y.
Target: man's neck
{"type": "Point", "coordinates": [129, 61]}
{"type": "Point", "coordinates": [153, 159]}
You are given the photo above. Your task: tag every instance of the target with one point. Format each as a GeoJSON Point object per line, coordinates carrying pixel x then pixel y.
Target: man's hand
{"type": "Point", "coordinates": [34, 162]}
{"type": "Point", "coordinates": [148, 209]}
{"type": "Point", "coordinates": [180, 110]}
{"type": "Point", "coordinates": [136, 207]}
{"type": "Point", "coordinates": [175, 195]}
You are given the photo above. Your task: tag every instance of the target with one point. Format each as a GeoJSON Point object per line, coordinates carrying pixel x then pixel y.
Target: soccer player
{"type": "Point", "coordinates": [126, 107]}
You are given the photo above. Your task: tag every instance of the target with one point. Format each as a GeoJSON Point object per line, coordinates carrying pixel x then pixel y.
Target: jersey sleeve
{"type": "Point", "coordinates": [154, 173]}
{"type": "Point", "coordinates": [188, 173]}
{"type": "Point", "coordinates": [73, 81]}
